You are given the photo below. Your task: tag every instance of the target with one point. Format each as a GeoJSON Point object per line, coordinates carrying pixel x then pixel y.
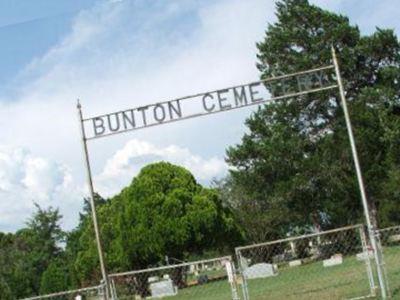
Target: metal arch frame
{"type": "Point", "coordinates": [339, 85]}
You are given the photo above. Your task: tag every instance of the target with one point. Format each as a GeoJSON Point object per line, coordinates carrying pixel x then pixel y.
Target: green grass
{"type": "Point", "coordinates": [309, 281]}
{"type": "Point", "coordinates": [313, 281]}
{"type": "Point", "coordinates": [392, 265]}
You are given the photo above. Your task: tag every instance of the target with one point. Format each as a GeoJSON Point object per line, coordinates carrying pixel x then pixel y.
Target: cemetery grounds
{"type": "Point", "coordinates": [307, 281]}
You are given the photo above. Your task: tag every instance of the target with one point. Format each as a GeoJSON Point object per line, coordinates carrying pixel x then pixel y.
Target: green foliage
{"type": "Point", "coordinates": [294, 167]}
{"type": "Point", "coordinates": [25, 255]}
{"type": "Point", "coordinates": [55, 278]}
{"type": "Point", "coordinates": [73, 243]}
{"type": "Point", "coordinates": [292, 171]}
{"type": "Point", "coordinates": [163, 212]}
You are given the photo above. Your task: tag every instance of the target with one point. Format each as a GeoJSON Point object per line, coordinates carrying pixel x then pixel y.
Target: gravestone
{"type": "Point", "coordinates": [295, 263]}
{"type": "Point", "coordinates": [163, 288]}
{"type": "Point", "coordinates": [261, 270]}
{"type": "Point", "coordinates": [336, 259]}
{"type": "Point", "coordinates": [153, 279]}
{"type": "Point", "coordinates": [394, 238]}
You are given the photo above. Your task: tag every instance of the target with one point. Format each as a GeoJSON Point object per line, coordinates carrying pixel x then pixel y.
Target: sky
{"type": "Point", "coordinates": [119, 54]}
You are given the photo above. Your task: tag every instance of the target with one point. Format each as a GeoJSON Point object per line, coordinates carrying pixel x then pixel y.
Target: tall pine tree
{"type": "Point", "coordinates": [294, 167]}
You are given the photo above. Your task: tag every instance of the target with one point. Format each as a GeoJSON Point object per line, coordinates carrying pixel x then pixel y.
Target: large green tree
{"type": "Point", "coordinates": [294, 166]}
{"type": "Point", "coordinates": [26, 255]}
{"type": "Point", "coordinates": [73, 240]}
{"type": "Point", "coordinates": [164, 211]}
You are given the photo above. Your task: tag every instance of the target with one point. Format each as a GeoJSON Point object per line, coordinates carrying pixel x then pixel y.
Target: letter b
{"type": "Point", "coordinates": [98, 126]}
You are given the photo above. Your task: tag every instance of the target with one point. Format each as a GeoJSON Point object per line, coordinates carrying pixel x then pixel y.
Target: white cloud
{"type": "Point", "coordinates": [128, 161]}
{"type": "Point", "coordinates": [26, 179]}
{"type": "Point", "coordinates": [119, 55]}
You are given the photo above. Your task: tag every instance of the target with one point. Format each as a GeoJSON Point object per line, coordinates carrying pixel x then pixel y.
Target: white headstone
{"type": "Point", "coordinates": [394, 238]}
{"type": "Point", "coordinates": [333, 261]}
{"type": "Point", "coordinates": [261, 270]}
{"type": "Point", "coordinates": [163, 288]}
{"type": "Point", "coordinates": [79, 297]}
{"type": "Point", "coordinates": [295, 263]}
{"type": "Point", "coordinates": [153, 279]}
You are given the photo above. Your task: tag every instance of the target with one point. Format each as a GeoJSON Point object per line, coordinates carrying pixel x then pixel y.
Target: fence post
{"type": "Point", "coordinates": [245, 290]}
{"type": "Point", "coordinates": [231, 273]}
{"type": "Point", "coordinates": [367, 261]}
{"type": "Point", "coordinates": [371, 230]}
{"type": "Point", "coordinates": [92, 203]}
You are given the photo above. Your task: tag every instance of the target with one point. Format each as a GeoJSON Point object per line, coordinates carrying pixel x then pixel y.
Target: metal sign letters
{"type": "Point", "coordinates": [226, 99]}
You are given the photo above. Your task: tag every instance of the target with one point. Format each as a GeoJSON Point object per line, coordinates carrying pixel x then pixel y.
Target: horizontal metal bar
{"type": "Point", "coordinates": [389, 228]}
{"type": "Point", "coordinates": [214, 91]}
{"type": "Point", "coordinates": [170, 266]}
{"type": "Point", "coordinates": [218, 111]}
{"type": "Point", "coordinates": [93, 288]}
{"type": "Point", "coordinates": [237, 249]}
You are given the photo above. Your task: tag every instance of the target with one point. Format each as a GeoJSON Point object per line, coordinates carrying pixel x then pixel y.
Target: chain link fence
{"type": "Point", "coordinates": [334, 264]}
{"type": "Point", "coordinates": [205, 279]}
{"type": "Point", "coordinates": [390, 243]}
{"type": "Point", "coordinates": [89, 293]}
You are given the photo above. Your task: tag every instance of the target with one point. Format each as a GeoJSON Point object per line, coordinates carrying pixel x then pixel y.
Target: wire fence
{"type": "Point", "coordinates": [334, 264]}
{"type": "Point", "coordinates": [390, 241]}
{"type": "Point", "coordinates": [205, 279]}
{"type": "Point", "coordinates": [89, 293]}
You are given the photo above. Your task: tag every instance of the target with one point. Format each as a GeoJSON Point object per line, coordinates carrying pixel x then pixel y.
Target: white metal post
{"type": "Point", "coordinates": [371, 229]}
{"type": "Point", "coordinates": [92, 204]}
{"type": "Point", "coordinates": [367, 260]}
{"type": "Point", "coordinates": [245, 290]}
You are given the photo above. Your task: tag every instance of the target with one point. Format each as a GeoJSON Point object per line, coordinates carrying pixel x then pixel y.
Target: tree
{"type": "Point", "coordinates": [6, 269]}
{"type": "Point", "coordinates": [26, 255]}
{"type": "Point", "coordinates": [43, 236]}
{"type": "Point", "coordinates": [73, 244]}
{"type": "Point", "coordinates": [55, 278]}
{"type": "Point", "coordinates": [164, 211]}
{"type": "Point", "coordinates": [5, 290]}
{"type": "Point", "coordinates": [294, 167]}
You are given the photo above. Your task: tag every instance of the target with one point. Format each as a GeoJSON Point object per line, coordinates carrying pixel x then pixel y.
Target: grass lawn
{"type": "Point", "coordinates": [392, 264]}
{"type": "Point", "coordinates": [310, 281]}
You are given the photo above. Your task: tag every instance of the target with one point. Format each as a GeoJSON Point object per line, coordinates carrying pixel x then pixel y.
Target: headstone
{"type": "Point", "coordinates": [364, 255]}
{"type": "Point", "coordinates": [163, 288]}
{"type": "Point", "coordinates": [336, 259]}
{"type": "Point", "coordinates": [78, 297]}
{"type": "Point", "coordinates": [153, 279]}
{"type": "Point", "coordinates": [295, 263]}
{"type": "Point", "coordinates": [394, 238]}
{"type": "Point", "coordinates": [261, 270]}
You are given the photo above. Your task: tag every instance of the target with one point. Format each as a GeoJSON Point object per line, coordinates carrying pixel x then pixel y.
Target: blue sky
{"type": "Point", "coordinates": [117, 54]}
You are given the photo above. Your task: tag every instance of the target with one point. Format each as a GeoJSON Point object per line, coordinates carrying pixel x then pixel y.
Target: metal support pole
{"type": "Point", "coordinates": [371, 229]}
{"type": "Point", "coordinates": [367, 260]}
{"type": "Point", "coordinates": [245, 290]}
{"type": "Point", "coordinates": [92, 204]}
